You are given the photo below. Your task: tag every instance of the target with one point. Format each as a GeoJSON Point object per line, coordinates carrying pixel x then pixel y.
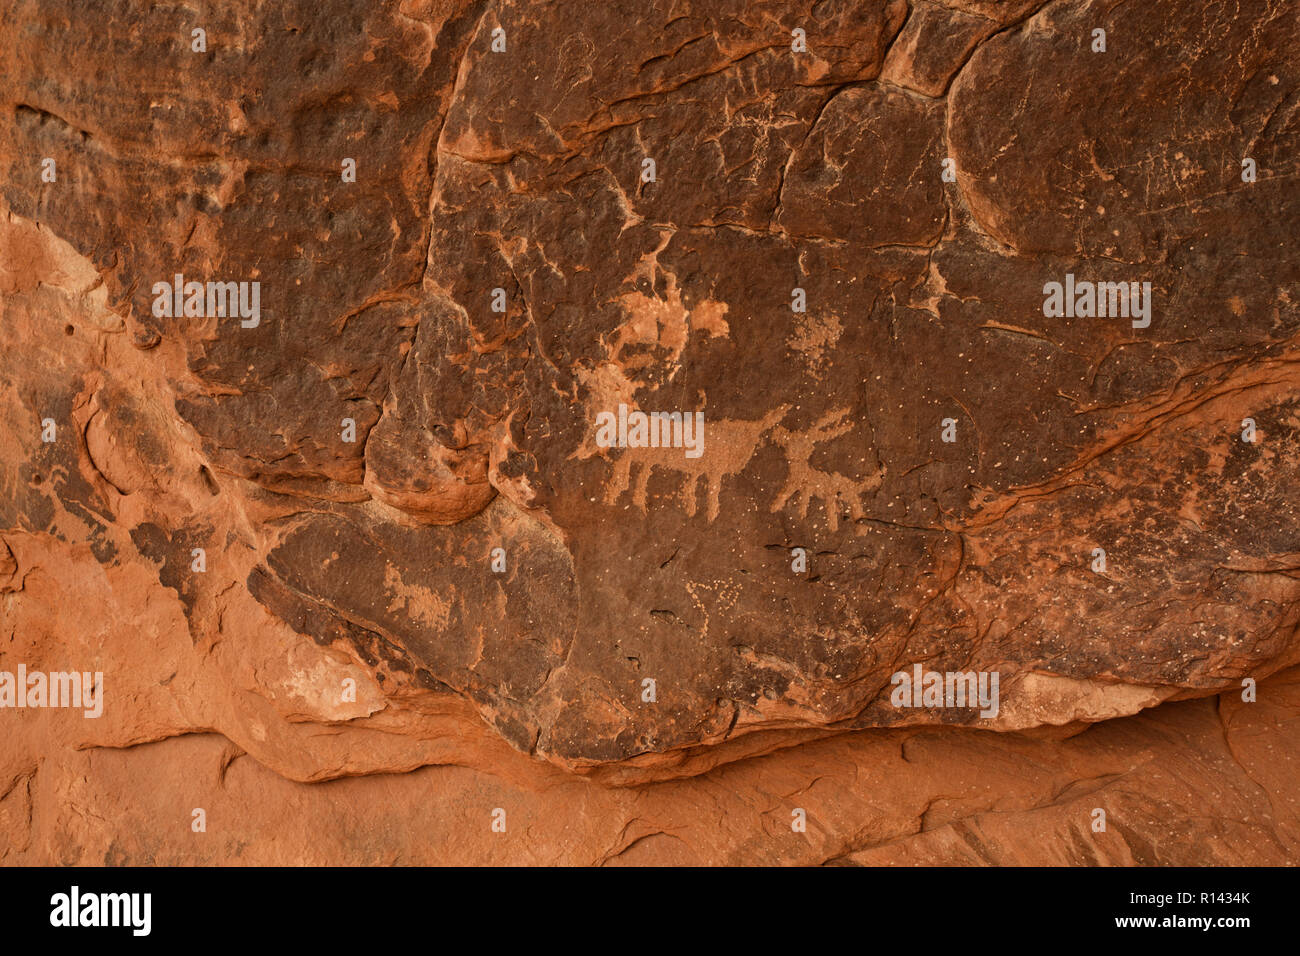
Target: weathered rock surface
{"type": "Point", "coordinates": [517, 178]}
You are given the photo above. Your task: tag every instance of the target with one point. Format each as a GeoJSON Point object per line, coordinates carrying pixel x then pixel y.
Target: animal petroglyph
{"type": "Point", "coordinates": [732, 444]}
{"type": "Point", "coordinates": [804, 482]}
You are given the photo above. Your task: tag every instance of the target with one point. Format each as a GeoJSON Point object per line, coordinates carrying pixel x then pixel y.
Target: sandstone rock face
{"type": "Point", "coordinates": [366, 532]}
